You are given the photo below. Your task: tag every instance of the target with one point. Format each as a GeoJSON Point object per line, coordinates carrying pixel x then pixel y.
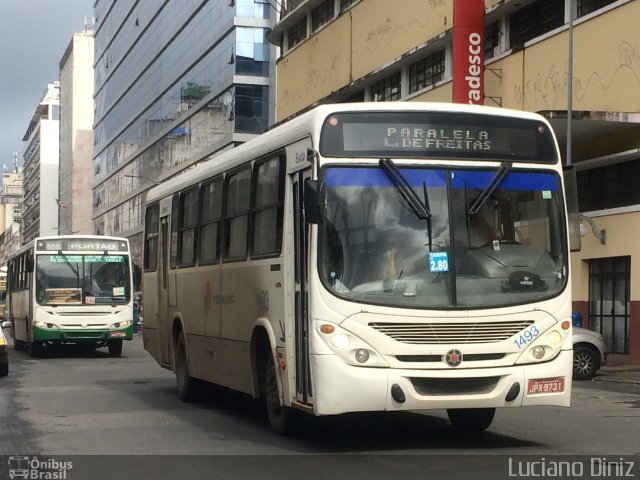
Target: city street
{"type": "Point", "coordinates": [70, 403]}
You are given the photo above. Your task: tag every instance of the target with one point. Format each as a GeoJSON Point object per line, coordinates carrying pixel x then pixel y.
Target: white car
{"type": "Point", "coordinates": [589, 353]}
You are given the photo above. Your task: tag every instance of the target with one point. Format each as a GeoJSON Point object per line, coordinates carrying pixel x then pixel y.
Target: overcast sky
{"type": "Point", "coordinates": [34, 35]}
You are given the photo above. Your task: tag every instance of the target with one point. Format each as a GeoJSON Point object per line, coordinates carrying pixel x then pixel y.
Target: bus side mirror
{"type": "Point", "coordinates": [571, 194]}
{"type": "Point", "coordinates": [28, 266]}
{"type": "Point", "coordinates": [314, 200]}
{"type": "Point", "coordinates": [137, 277]}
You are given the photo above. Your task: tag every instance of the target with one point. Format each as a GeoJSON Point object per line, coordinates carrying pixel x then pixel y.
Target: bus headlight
{"type": "Point", "coordinates": [544, 348]}
{"type": "Point", "coordinates": [122, 324]}
{"type": "Point", "coordinates": [40, 324]}
{"type": "Point", "coordinates": [351, 349]}
{"type": "Point", "coordinates": [537, 352]}
{"type": "Point", "coordinates": [339, 341]}
{"type": "Point", "coordinates": [362, 355]}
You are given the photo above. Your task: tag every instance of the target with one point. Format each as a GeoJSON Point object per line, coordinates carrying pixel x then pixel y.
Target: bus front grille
{"type": "Point", "coordinates": [85, 334]}
{"type": "Point", "coordinates": [451, 333]}
{"type": "Point", "coordinates": [441, 387]}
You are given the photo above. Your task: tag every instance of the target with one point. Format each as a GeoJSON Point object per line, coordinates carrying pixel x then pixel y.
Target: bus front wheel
{"type": "Point", "coordinates": [186, 385]}
{"type": "Point", "coordinates": [279, 415]}
{"type": "Point", "coordinates": [33, 349]}
{"type": "Point", "coordinates": [471, 420]}
{"type": "Point", "coordinates": [115, 348]}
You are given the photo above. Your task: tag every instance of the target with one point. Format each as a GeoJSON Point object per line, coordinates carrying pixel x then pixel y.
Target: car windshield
{"type": "Point", "coordinates": [491, 237]}
{"type": "Point", "coordinates": [82, 279]}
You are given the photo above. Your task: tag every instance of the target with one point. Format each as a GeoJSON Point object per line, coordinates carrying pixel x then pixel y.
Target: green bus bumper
{"type": "Point", "coordinates": [81, 335]}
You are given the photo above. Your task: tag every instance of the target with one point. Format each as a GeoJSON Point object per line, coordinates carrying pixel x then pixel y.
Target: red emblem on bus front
{"type": "Point", "coordinates": [453, 358]}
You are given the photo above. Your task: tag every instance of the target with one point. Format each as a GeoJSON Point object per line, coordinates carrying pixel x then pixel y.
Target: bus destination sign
{"type": "Point", "coordinates": [82, 245]}
{"type": "Point", "coordinates": [447, 138]}
{"type": "Point", "coordinates": [436, 135]}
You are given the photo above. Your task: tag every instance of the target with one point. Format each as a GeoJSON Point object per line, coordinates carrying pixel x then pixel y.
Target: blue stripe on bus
{"type": "Point", "coordinates": [375, 177]}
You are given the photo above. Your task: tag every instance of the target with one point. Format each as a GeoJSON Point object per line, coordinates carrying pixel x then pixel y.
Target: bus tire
{"type": "Point", "coordinates": [185, 384]}
{"type": "Point", "coordinates": [471, 420]}
{"type": "Point", "coordinates": [115, 348]}
{"type": "Point", "coordinates": [4, 369]}
{"type": "Point", "coordinates": [34, 349]}
{"type": "Point", "coordinates": [279, 415]}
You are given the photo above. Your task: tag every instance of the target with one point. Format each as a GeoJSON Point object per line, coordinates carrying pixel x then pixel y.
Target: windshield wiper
{"type": "Point", "coordinates": [408, 196]}
{"type": "Point", "coordinates": [490, 188]}
{"type": "Point", "coordinates": [73, 269]}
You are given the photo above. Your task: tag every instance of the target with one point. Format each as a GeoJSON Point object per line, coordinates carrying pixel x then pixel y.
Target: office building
{"type": "Point", "coordinates": [40, 171]}
{"type": "Point", "coordinates": [75, 182]}
{"type": "Point", "coordinates": [175, 84]}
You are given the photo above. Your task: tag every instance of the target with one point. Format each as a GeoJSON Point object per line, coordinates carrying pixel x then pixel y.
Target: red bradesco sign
{"type": "Point", "coordinates": [468, 51]}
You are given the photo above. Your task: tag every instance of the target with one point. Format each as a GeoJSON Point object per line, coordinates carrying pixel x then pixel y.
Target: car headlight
{"type": "Point", "coordinates": [351, 349]}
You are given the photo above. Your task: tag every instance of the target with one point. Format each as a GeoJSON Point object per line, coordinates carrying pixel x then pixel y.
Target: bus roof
{"type": "Point", "coordinates": [310, 123]}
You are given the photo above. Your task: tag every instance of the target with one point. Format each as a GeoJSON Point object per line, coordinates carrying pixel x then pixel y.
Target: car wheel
{"type": "Point", "coordinates": [585, 363]}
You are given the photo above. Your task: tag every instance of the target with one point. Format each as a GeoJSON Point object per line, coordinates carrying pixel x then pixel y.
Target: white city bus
{"type": "Point", "coordinates": [428, 269]}
{"type": "Point", "coordinates": [71, 289]}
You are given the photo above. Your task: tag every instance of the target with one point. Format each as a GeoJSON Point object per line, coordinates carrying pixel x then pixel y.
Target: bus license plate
{"type": "Point", "coordinates": [545, 385]}
{"type": "Point", "coordinates": [118, 334]}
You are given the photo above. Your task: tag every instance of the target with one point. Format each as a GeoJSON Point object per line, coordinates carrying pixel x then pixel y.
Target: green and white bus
{"type": "Point", "coordinates": [369, 257]}
{"type": "Point", "coordinates": [71, 289]}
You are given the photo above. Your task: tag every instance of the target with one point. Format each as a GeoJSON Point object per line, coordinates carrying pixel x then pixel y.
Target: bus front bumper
{"type": "Point", "coordinates": [341, 388]}
{"type": "Point", "coordinates": [77, 335]}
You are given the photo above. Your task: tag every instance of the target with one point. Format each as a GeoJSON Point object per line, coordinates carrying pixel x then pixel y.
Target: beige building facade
{"type": "Point", "coordinates": [359, 50]}
{"type": "Point", "coordinates": [75, 185]}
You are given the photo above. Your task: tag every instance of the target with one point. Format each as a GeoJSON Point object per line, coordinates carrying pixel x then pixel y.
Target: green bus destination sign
{"type": "Point", "coordinates": [436, 135]}
{"type": "Point", "coordinates": [82, 245]}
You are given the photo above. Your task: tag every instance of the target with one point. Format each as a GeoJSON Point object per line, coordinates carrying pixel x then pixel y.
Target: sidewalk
{"type": "Point", "coordinates": [619, 374]}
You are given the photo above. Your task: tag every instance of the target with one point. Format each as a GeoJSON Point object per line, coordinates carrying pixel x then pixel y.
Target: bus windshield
{"type": "Point", "coordinates": [493, 237]}
{"type": "Point", "coordinates": [82, 279]}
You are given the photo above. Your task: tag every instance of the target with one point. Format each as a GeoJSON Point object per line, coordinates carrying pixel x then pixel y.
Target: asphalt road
{"type": "Point", "coordinates": [121, 418]}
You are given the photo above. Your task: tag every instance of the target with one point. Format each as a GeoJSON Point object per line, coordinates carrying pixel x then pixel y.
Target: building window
{"type": "Point", "coordinates": [386, 90]}
{"type": "Point", "coordinates": [251, 108]}
{"type": "Point", "coordinates": [534, 20]}
{"type": "Point", "coordinates": [585, 7]}
{"type": "Point", "coordinates": [344, 4]}
{"type": "Point", "coordinates": [322, 14]}
{"type": "Point", "coordinates": [290, 5]}
{"type": "Point", "coordinates": [612, 186]}
{"type": "Point", "coordinates": [491, 40]}
{"type": "Point", "coordinates": [426, 72]}
{"type": "Point", "coordinates": [609, 305]}
{"type": "Point", "coordinates": [297, 33]}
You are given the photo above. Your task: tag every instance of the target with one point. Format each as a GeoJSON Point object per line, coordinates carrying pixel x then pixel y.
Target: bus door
{"type": "Point", "coordinates": [164, 326]}
{"type": "Point", "coordinates": [301, 238]}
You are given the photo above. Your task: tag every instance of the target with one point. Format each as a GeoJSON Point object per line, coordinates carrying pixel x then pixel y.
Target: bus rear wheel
{"type": "Point", "coordinates": [471, 420]}
{"type": "Point", "coordinates": [115, 348]}
{"type": "Point", "coordinates": [185, 384]}
{"type": "Point", "coordinates": [279, 415]}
